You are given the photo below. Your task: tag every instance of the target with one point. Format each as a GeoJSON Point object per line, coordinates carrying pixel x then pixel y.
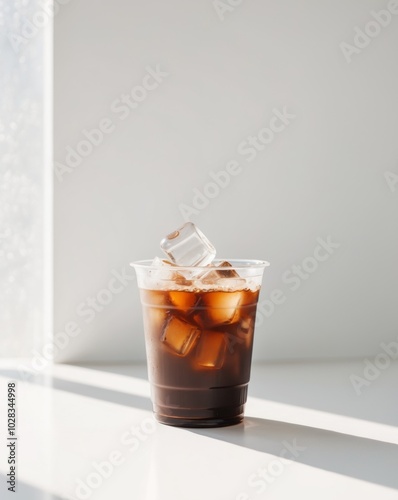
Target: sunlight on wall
{"type": "Point", "coordinates": [22, 175]}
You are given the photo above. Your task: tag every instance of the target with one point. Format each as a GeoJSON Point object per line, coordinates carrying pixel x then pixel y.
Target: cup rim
{"type": "Point", "coordinates": [236, 265]}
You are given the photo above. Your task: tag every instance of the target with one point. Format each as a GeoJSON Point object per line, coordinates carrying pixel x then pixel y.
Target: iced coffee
{"type": "Point", "coordinates": [199, 325]}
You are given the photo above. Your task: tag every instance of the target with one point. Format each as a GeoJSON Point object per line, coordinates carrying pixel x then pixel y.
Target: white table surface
{"type": "Point", "coordinates": [72, 420]}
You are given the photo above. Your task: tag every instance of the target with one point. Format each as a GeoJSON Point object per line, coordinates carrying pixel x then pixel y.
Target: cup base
{"type": "Point", "coordinates": [212, 407]}
{"type": "Point", "coordinates": [198, 423]}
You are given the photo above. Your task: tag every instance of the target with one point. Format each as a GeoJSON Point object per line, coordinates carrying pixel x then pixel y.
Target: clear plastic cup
{"type": "Point", "coordinates": [199, 339]}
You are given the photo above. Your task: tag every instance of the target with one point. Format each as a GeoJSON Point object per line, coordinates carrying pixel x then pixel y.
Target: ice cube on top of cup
{"type": "Point", "coordinates": [215, 273]}
{"type": "Point", "coordinates": [158, 262]}
{"type": "Point", "coordinates": [162, 269]}
{"type": "Point", "coordinates": [188, 246]}
{"type": "Point", "coordinates": [222, 275]}
{"type": "Point", "coordinates": [165, 270]}
{"type": "Point", "coordinates": [226, 270]}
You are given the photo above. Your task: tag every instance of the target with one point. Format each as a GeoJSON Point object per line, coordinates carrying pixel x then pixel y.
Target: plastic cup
{"type": "Point", "coordinates": [199, 339]}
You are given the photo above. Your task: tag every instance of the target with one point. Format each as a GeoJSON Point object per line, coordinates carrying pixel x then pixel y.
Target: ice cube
{"type": "Point", "coordinates": [156, 304]}
{"type": "Point", "coordinates": [158, 262]}
{"type": "Point", "coordinates": [223, 275]}
{"type": "Point", "coordinates": [163, 269]}
{"type": "Point", "coordinates": [226, 270]}
{"type": "Point", "coordinates": [245, 326]}
{"type": "Point", "coordinates": [156, 318]}
{"type": "Point", "coordinates": [210, 352]}
{"type": "Point", "coordinates": [179, 335]}
{"type": "Point", "coordinates": [245, 329]}
{"type": "Point", "coordinates": [183, 300]}
{"type": "Point", "coordinates": [188, 246]}
{"type": "Point", "coordinates": [218, 308]}
{"type": "Point", "coordinates": [181, 280]}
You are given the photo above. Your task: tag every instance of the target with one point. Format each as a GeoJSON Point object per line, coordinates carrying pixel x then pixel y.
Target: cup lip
{"type": "Point", "coordinates": [236, 265]}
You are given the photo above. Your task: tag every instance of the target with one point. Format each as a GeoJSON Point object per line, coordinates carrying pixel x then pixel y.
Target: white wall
{"type": "Point", "coordinates": [322, 175]}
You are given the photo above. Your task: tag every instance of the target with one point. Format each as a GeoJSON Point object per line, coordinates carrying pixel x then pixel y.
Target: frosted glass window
{"type": "Point", "coordinates": [23, 192]}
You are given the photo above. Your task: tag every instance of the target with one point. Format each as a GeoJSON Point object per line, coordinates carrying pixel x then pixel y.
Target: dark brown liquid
{"type": "Point", "coordinates": [199, 348]}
